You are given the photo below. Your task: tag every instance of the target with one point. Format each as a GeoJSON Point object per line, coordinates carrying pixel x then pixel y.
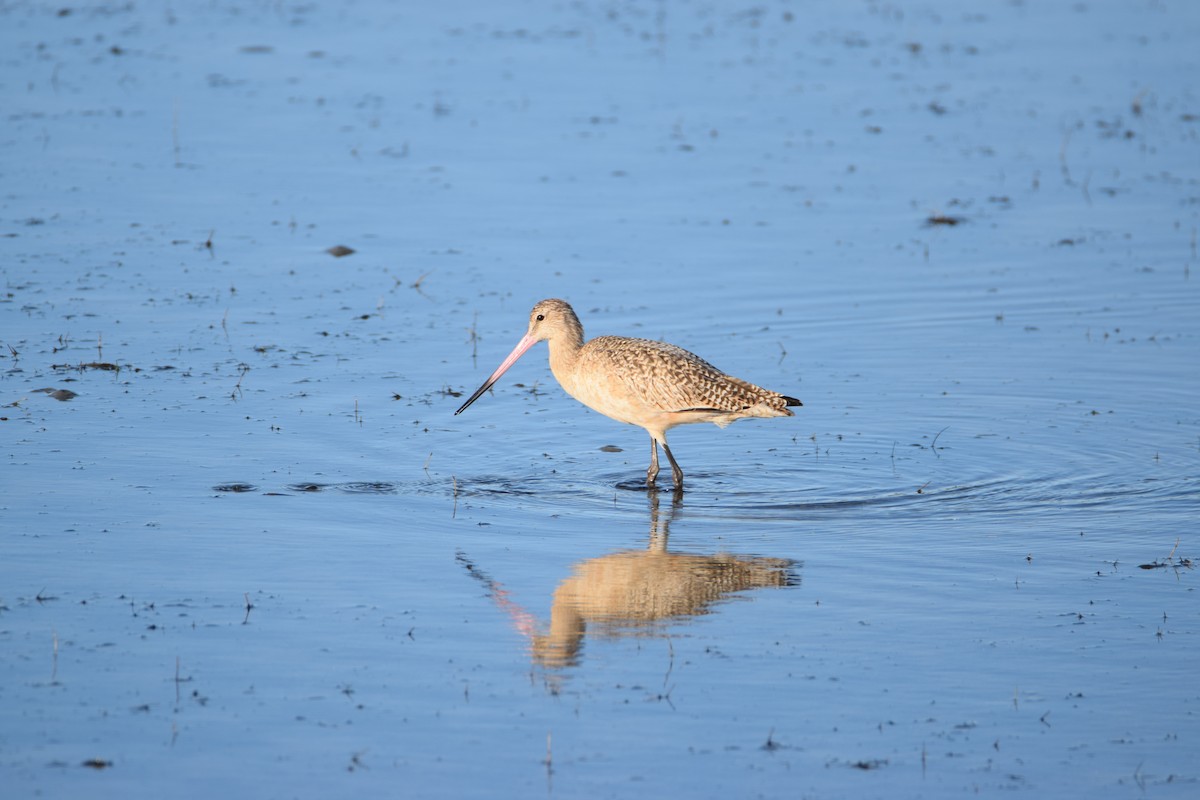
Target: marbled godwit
{"type": "Point", "coordinates": [650, 384]}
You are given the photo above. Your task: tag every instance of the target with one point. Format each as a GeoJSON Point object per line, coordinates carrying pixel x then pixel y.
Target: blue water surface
{"type": "Point", "coordinates": [247, 549]}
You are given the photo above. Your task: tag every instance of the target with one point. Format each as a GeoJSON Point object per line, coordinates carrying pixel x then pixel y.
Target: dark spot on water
{"type": "Point", "coordinates": [308, 487]}
{"type": "Point", "coordinates": [235, 487]}
{"type": "Point", "coordinates": [337, 251]}
{"type": "Point", "coordinates": [97, 763]}
{"type": "Point", "coordinates": [611, 448]}
{"type": "Point", "coordinates": [943, 219]}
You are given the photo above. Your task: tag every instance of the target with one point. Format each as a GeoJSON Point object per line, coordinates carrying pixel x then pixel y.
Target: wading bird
{"type": "Point", "coordinates": [650, 384]}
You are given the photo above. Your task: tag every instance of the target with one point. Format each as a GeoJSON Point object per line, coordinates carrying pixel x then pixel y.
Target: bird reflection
{"type": "Point", "coordinates": [634, 592]}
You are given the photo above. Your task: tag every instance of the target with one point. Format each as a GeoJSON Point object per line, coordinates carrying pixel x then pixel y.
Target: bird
{"type": "Point", "coordinates": [642, 382]}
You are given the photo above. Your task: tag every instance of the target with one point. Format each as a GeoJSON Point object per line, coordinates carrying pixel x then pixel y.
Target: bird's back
{"type": "Point", "coordinates": [669, 379]}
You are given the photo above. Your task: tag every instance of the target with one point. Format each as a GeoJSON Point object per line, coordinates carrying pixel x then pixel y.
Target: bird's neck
{"type": "Point", "coordinates": [564, 353]}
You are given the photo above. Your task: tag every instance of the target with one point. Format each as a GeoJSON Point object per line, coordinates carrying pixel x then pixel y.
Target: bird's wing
{"type": "Point", "coordinates": [669, 378]}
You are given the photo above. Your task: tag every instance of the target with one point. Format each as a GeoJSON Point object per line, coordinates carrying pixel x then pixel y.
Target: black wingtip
{"type": "Point", "coordinates": [791, 401]}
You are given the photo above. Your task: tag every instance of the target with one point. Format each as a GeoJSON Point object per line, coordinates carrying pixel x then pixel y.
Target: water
{"type": "Point", "coordinates": [256, 554]}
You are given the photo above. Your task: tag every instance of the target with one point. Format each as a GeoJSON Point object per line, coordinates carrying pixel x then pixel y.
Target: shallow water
{"type": "Point", "coordinates": [257, 554]}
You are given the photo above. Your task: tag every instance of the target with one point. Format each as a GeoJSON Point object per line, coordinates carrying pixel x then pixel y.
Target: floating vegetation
{"type": "Point", "coordinates": [1170, 561]}
{"type": "Point", "coordinates": [106, 366]}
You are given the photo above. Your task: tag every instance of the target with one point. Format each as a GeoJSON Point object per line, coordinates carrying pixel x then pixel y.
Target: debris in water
{"type": "Point", "coordinates": [340, 250]}
{"type": "Point", "coordinates": [107, 366]}
{"type": "Point", "coordinates": [58, 394]}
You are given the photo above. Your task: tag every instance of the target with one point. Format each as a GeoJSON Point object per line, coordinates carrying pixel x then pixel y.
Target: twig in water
{"type": "Point", "coordinates": [933, 444]}
{"type": "Point", "coordinates": [454, 511]}
{"type": "Point", "coordinates": [175, 132]}
{"type": "Point", "coordinates": [99, 346]}
{"type": "Point", "coordinates": [417, 283]}
{"type": "Point", "coordinates": [670, 661]}
{"type": "Point", "coordinates": [782, 352]}
{"type": "Point", "coordinates": [243, 368]}
{"type": "Point", "coordinates": [426, 465]}
{"type": "Point", "coordinates": [249, 606]}
{"type": "Point", "coordinates": [1062, 159]}
{"type": "Point", "coordinates": [474, 336]}
{"type": "Point", "coordinates": [54, 666]}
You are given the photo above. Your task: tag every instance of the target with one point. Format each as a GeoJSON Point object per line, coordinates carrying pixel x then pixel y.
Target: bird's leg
{"type": "Point", "coordinates": [652, 472]}
{"type": "Point", "coordinates": [676, 472]}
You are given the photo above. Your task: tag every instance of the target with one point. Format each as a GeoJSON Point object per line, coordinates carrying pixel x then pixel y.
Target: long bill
{"type": "Point", "coordinates": [526, 342]}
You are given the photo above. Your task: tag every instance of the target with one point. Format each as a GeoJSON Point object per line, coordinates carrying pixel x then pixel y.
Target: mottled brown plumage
{"type": "Point", "coordinates": [642, 382]}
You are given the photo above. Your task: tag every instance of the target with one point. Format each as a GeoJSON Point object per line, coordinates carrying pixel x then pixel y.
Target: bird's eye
{"type": "Point", "coordinates": [541, 317]}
